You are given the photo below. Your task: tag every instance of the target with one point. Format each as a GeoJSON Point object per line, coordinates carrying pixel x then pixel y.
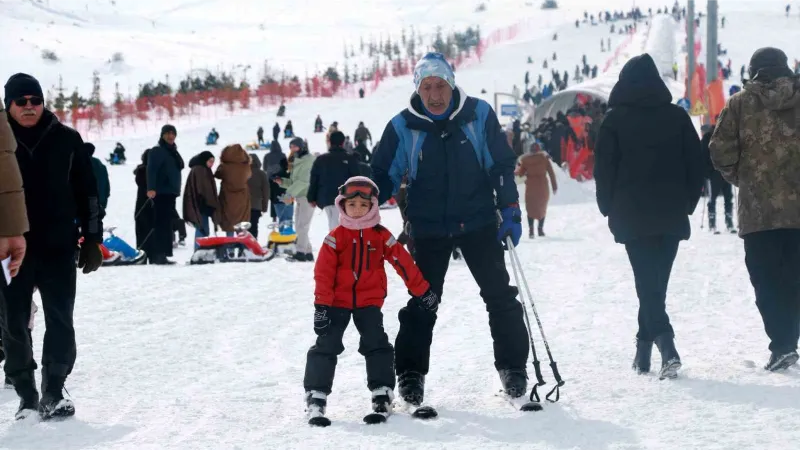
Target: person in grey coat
{"type": "Point", "coordinates": [163, 188]}
{"type": "Point", "coordinates": [259, 193]}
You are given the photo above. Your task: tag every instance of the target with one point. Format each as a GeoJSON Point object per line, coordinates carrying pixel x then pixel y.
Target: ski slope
{"type": "Point", "coordinates": [213, 356]}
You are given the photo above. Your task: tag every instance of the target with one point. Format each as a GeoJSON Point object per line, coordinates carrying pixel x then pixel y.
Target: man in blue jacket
{"type": "Point", "coordinates": [460, 174]}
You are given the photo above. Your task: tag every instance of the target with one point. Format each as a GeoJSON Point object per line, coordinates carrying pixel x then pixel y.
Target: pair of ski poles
{"type": "Point", "coordinates": [516, 267]}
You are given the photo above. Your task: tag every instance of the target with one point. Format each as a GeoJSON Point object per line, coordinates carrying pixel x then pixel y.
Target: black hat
{"type": "Point", "coordinates": [20, 85]}
{"type": "Point", "coordinates": [337, 139]}
{"type": "Point", "coordinates": [772, 59]}
{"type": "Point", "coordinates": [89, 147]}
{"type": "Point", "coordinates": [168, 128]}
{"type": "Point", "coordinates": [298, 142]}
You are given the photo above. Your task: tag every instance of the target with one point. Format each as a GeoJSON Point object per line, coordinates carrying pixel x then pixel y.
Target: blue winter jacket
{"type": "Point", "coordinates": [454, 168]}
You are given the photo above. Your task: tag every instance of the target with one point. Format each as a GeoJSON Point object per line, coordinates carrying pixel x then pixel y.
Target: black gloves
{"type": "Point", "coordinates": [429, 301]}
{"type": "Point", "coordinates": [90, 258]}
{"type": "Point", "coordinates": [322, 320]}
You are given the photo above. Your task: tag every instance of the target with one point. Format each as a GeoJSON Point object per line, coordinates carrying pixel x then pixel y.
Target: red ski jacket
{"type": "Point", "coordinates": [349, 272]}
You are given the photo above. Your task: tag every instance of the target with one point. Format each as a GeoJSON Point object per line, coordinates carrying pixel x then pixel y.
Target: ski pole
{"type": "Point", "coordinates": [553, 365]}
{"type": "Point", "coordinates": [703, 216]}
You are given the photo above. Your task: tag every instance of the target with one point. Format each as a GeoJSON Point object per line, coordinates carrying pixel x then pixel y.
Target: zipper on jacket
{"type": "Point", "coordinates": [403, 269]}
{"type": "Point", "coordinates": [368, 255]}
{"type": "Point", "coordinates": [357, 274]}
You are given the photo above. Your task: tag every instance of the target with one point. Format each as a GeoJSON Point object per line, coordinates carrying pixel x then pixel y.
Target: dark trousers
{"type": "Point", "coordinates": [651, 259]}
{"type": "Point", "coordinates": [486, 261]}
{"type": "Point", "coordinates": [179, 226]}
{"type": "Point", "coordinates": [162, 230]}
{"type": "Point", "coordinates": [374, 345]}
{"type": "Point", "coordinates": [773, 260]}
{"type": "Point", "coordinates": [255, 216]}
{"type": "Point", "coordinates": [55, 276]}
{"type": "Point", "coordinates": [720, 186]}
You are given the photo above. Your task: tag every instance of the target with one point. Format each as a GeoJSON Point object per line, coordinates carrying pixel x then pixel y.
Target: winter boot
{"type": "Point", "coordinates": [515, 382]}
{"type": "Point", "coordinates": [53, 404]}
{"type": "Point", "coordinates": [729, 223]}
{"type": "Point", "coordinates": [316, 402]}
{"type": "Point", "coordinates": [25, 385]}
{"type": "Point", "coordinates": [541, 227]}
{"type": "Point", "coordinates": [781, 361]}
{"type": "Point", "coordinates": [644, 351]}
{"type": "Point", "coordinates": [530, 228]}
{"type": "Point", "coordinates": [382, 399]}
{"type": "Point", "coordinates": [411, 386]}
{"type": "Point", "coordinates": [670, 360]}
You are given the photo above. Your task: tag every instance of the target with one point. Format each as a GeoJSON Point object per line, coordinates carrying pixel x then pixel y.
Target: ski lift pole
{"type": "Point", "coordinates": [553, 365]}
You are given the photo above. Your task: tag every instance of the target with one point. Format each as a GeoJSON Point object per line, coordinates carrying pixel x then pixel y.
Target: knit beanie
{"type": "Point", "coordinates": [433, 65]}
{"type": "Point", "coordinates": [20, 85]}
{"type": "Point", "coordinates": [167, 129]}
{"type": "Point", "coordinates": [337, 139]}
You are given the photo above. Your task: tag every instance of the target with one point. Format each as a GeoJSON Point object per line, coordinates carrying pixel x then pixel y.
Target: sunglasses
{"type": "Point", "coordinates": [22, 101]}
{"type": "Point", "coordinates": [363, 190]}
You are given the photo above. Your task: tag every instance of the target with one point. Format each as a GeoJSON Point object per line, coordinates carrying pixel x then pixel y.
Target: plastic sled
{"type": "Point", "coordinates": [282, 238]}
{"type": "Point", "coordinates": [211, 140]}
{"type": "Point", "coordinates": [241, 247]}
{"type": "Point", "coordinates": [389, 204]}
{"type": "Point", "coordinates": [288, 134]}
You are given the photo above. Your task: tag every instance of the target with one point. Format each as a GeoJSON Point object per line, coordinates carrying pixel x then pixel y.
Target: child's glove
{"type": "Point", "coordinates": [429, 301]}
{"type": "Point", "coordinates": [322, 322]}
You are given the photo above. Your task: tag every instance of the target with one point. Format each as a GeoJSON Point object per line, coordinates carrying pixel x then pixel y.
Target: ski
{"type": "Point", "coordinates": [376, 418]}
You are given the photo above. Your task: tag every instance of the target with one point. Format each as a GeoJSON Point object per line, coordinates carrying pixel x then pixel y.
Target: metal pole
{"type": "Point", "coordinates": [712, 55]}
{"type": "Point", "coordinates": [690, 47]}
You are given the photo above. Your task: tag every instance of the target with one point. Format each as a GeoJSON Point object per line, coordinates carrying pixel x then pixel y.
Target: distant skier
{"type": "Point", "coordinates": [539, 81]}
{"type": "Point", "coordinates": [718, 185]}
{"type": "Point", "coordinates": [643, 132]}
{"type": "Point", "coordinates": [281, 110]}
{"type": "Point", "coordinates": [318, 124]}
{"type": "Point", "coordinates": [260, 135]}
{"type": "Point", "coordinates": [213, 137]}
{"type": "Point", "coordinates": [118, 155]}
{"type": "Point", "coordinates": [361, 92]}
{"type": "Point", "coordinates": [362, 134]}
{"type": "Point", "coordinates": [276, 131]}
{"type": "Point", "coordinates": [675, 70]}
{"type": "Point", "coordinates": [288, 130]}
{"type": "Point", "coordinates": [788, 9]}
{"type": "Point", "coordinates": [344, 290]}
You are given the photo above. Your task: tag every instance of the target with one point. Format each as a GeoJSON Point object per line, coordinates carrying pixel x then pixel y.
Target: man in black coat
{"type": "Point", "coordinates": [718, 186]}
{"type": "Point", "coordinates": [60, 197]}
{"type": "Point", "coordinates": [163, 187]}
{"type": "Point", "coordinates": [328, 173]}
{"type": "Point", "coordinates": [648, 172]}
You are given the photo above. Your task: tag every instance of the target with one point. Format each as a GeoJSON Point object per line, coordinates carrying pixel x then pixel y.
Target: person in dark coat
{"type": "Point", "coordinates": [275, 163]}
{"type": "Point", "coordinates": [460, 178]}
{"type": "Point", "coordinates": [260, 135]}
{"type": "Point", "coordinates": [362, 152]}
{"type": "Point", "coordinates": [200, 201]}
{"type": "Point", "coordinates": [259, 193]}
{"type": "Point", "coordinates": [62, 207]}
{"type": "Point", "coordinates": [718, 186]}
{"type": "Point", "coordinates": [101, 175]}
{"type": "Point", "coordinates": [328, 173]}
{"type": "Point", "coordinates": [276, 131]}
{"type": "Point", "coordinates": [164, 186]}
{"type": "Point", "coordinates": [648, 172]}
{"type": "Point", "coordinates": [144, 211]}
{"type": "Point", "coordinates": [362, 134]}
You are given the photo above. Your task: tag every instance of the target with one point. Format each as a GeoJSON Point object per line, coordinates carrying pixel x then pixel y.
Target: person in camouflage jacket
{"type": "Point", "coordinates": [756, 146]}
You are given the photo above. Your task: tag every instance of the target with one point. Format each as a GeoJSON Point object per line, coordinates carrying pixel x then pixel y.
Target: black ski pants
{"type": "Point", "coordinates": [55, 277]}
{"type": "Point", "coordinates": [255, 217]}
{"type": "Point", "coordinates": [486, 261]}
{"type": "Point", "coordinates": [374, 346]}
{"type": "Point", "coordinates": [719, 186]}
{"type": "Point", "coordinates": [163, 229]}
{"type": "Point", "coordinates": [773, 260]}
{"type": "Point", "coordinates": [651, 259]}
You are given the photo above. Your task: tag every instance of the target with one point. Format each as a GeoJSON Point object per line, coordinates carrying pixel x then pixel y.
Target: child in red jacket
{"type": "Point", "coordinates": [351, 280]}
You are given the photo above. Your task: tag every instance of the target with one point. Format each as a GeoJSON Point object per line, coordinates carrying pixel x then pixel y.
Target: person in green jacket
{"type": "Point", "coordinates": [101, 175]}
{"type": "Point", "coordinates": [297, 191]}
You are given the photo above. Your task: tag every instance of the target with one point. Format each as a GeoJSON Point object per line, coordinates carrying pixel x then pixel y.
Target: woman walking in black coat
{"type": "Point", "coordinates": [144, 213]}
{"type": "Point", "coordinates": [649, 171]}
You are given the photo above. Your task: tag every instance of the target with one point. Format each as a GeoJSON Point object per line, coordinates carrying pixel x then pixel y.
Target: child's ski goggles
{"type": "Point", "coordinates": [363, 190]}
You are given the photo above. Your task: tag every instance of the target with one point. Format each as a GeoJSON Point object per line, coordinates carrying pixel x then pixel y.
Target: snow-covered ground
{"type": "Point", "coordinates": [213, 356]}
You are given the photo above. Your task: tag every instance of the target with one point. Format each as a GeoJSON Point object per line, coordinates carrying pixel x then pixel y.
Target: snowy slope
{"type": "Point", "coordinates": [213, 357]}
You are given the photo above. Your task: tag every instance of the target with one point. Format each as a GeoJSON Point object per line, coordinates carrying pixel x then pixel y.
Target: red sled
{"type": "Point", "coordinates": [241, 247]}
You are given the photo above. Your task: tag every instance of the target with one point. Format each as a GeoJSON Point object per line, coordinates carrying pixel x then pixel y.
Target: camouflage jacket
{"type": "Point", "coordinates": [756, 146]}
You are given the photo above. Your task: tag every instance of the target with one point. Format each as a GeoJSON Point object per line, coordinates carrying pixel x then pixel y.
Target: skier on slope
{"type": "Point", "coordinates": [642, 134]}
{"type": "Point", "coordinates": [351, 281]}
{"type": "Point", "coordinates": [717, 185]}
{"type": "Point", "coordinates": [755, 148]}
{"type": "Point", "coordinates": [446, 126]}
{"type": "Point", "coordinates": [362, 134]}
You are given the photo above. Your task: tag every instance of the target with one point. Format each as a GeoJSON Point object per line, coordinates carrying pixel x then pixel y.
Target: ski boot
{"type": "Point", "coordinates": [411, 386]}
{"type": "Point", "coordinates": [515, 382]}
{"type": "Point", "coordinates": [53, 404]}
{"type": "Point", "coordinates": [382, 398]}
{"type": "Point", "coordinates": [729, 224]}
{"type": "Point", "coordinates": [644, 351]}
{"type": "Point", "coordinates": [670, 360]}
{"type": "Point", "coordinates": [781, 361]}
{"type": "Point", "coordinates": [316, 402]}
{"type": "Point", "coordinates": [25, 385]}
